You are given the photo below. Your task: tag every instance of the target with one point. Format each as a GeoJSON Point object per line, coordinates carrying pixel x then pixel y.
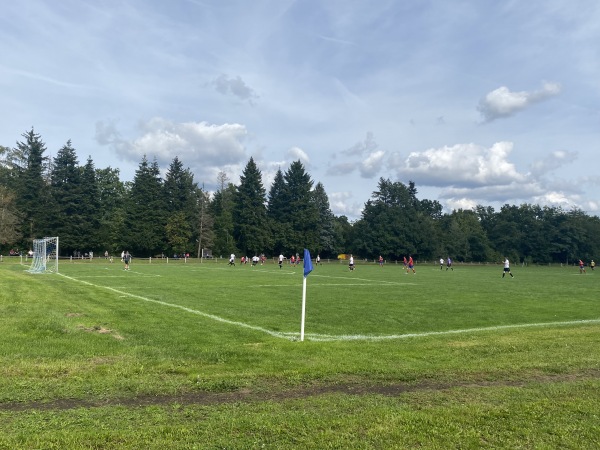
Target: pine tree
{"type": "Point", "coordinates": [33, 195]}
{"type": "Point", "coordinates": [326, 243]}
{"type": "Point", "coordinates": [180, 189]}
{"type": "Point", "coordinates": [90, 207]}
{"type": "Point", "coordinates": [111, 192]}
{"type": "Point", "coordinates": [65, 182]}
{"type": "Point", "coordinates": [300, 210]}
{"type": "Point", "coordinates": [221, 209]}
{"type": "Point", "coordinates": [281, 230]}
{"type": "Point", "coordinates": [180, 196]}
{"type": "Point", "coordinates": [251, 229]}
{"type": "Point", "coordinates": [178, 232]}
{"type": "Point", "coordinates": [145, 212]}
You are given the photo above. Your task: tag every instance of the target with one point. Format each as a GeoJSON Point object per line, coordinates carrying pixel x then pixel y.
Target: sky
{"type": "Point", "coordinates": [478, 102]}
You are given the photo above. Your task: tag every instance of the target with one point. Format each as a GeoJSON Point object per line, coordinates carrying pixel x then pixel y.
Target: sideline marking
{"type": "Point", "coordinates": [294, 336]}
{"type": "Point", "coordinates": [361, 337]}
{"type": "Point", "coordinates": [288, 336]}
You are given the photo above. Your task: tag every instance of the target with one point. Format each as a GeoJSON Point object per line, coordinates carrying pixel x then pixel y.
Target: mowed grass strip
{"type": "Point", "coordinates": [97, 336]}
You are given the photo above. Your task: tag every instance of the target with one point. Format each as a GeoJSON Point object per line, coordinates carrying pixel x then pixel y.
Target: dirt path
{"type": "Point", "coordinates": [247, 395]}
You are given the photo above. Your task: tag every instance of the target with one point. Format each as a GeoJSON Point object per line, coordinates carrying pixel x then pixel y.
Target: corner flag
{"type": "Point", "coordinates": [308, 267]}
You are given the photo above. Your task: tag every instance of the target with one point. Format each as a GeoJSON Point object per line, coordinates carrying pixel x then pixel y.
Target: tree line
{"type": "Point", "coordinates": [91, 209]}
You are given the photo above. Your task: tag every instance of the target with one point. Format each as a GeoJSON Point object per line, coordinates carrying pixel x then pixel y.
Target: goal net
{"type": "Point", "coordinates": [45, 255]}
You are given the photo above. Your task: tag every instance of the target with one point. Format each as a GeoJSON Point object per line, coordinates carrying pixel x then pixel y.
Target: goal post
{"type": "Point", "coordinates": [45, 255]}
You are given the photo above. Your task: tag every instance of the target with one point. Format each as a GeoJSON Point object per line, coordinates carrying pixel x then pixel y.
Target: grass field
{"type": "Point", "coordinates": [202, 355]}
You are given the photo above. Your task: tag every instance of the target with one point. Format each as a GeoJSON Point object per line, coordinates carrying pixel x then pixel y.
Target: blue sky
{"type": "Point", "coordinates": [477, 102]}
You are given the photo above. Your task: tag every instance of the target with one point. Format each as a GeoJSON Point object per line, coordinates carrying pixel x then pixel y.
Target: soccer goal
{"type": "Point", "coordinates": [45, 255]}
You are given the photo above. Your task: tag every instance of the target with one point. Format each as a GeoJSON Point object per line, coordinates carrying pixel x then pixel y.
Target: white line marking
{"type": "Point", "coordinates": [288, 336]}
{"type": "Point", "coordinates": [360, 337]}
{"type": "Point", "coordinates": [327, 284]}
{"type": "Point", "coordinates": [294, 336]}
{"type": "Point", "coordinates": [359, 279]}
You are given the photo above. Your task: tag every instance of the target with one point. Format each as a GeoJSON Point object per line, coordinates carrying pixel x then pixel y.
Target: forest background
{"type": "Point", "coordinates": [92, 210]}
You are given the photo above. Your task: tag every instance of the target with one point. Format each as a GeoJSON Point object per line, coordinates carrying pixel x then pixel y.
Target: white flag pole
{"type": "Point", "coordinates": [303, 308]}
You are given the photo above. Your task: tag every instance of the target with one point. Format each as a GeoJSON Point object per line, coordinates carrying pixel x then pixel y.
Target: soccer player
{"type": "Point", "coordinates": [592, 264]}
{"type": "Point", "coordinates": [126, 259]}
{"type": "Point", "coordinates": [507, 268]}
{"type": "Point", "coordinates": [318, 259]}
{"type": "Point", "coordinates": [280, 261]}
{"type": "Point", "coordinates": [411, 265]}
{"type": "Point", "coordinates": [581, 266]}
{"type": "Point", "coordinates": [351, 263]}
{"type": "Point", "coordinates": [449, 265]}
{"type": "Point", "coordinates": [380, 261]}
{"type": "Point", "coordinates": [231, 260]}
{"type": "Point", "coordinates": [441, 263]}
{"type": "Point", "coordinates": [405, 262]}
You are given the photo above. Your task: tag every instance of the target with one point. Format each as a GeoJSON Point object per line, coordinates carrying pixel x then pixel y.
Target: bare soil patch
{"type": "Point", "coordinates": [353, 388]}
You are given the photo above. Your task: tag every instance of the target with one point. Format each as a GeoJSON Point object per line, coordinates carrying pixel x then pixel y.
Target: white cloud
{"type": "Point", "coordinates": [342, 203]}
{"type": "Point", "coordinates": [462, 164]}
{"type": "Point", "coordinates": [297, 154]}
{"type": "Point", "coordinates": [205, 148]}
{"type": "Point", "coordinates": [502, 102]}
{"type": "Point", "coordinates": [371, 166]}
{"type": "Point", "coordinates": [460, 203]}
{"type": "Point", "coordinates": [556, 198]}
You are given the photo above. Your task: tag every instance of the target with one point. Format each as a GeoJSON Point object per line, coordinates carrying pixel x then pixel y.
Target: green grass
{"type": "Point", "coordinates": [186, 355]}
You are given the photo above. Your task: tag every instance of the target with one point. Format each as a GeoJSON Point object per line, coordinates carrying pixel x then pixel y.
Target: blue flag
{"type": "Point", "coordinates": [307, 263]}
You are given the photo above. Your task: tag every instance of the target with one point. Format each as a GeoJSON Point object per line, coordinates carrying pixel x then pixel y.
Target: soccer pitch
{"type": "Point", "coordinates": [370, 303]}
{"type": "Point", "coordinates": [203, 355]}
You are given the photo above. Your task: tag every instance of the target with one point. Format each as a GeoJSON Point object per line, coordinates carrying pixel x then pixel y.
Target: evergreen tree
{"type": "Point", "coordinates": [179, 233]}
{"type": "Point", "coordinates": [180, 189]}
{"type": "Point", "coordinates": [251, 229]}
{"type": "Point", "coordinates": [145, 212]}
{"type": "Point", "coordinates": [300, 210]}
{"type": "Point", "coordinates": [281, 230]}
{"type": "Point", "coordinates": [326, 244]}
{"type": "Point", "coordinates": [33, 195]}
{"type": "Point", "coordinates": [111, 198]}
{"type": "Point", "coordinates": [181, 196]}
{"type": "Point", "coordinates": [221, 209]}
{"type": "Point", "coordinates": [90, 207]}
{"type": "Point", "coordinates": [276, 199]}
{"type": "Point", "coordinates": [66, 189]}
